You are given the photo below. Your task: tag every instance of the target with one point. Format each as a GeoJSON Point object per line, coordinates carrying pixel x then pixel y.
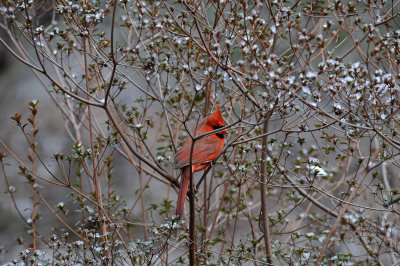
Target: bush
{"type": "Point", "coordinates": [309, 90]}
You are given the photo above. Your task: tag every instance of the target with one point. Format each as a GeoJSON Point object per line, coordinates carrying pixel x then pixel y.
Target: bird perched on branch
{"type": "Point", "coordinates": [205, 151]}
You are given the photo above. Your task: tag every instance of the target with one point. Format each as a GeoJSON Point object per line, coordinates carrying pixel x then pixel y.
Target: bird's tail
{"type": "Point", "coordinates": [185, 181]}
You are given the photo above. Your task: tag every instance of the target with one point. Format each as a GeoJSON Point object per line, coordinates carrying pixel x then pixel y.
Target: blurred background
{"type": "Point", "coordinates": [19, 86]}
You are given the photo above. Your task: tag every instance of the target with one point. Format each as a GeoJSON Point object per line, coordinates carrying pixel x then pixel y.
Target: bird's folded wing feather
{"type": "Point", "coordinates": [204, 150]}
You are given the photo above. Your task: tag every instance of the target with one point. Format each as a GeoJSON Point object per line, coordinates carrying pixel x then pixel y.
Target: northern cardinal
{"type": "Point", "coordinates": [205, 151]}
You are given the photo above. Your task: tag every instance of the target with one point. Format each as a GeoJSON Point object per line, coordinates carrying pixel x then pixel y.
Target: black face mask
{"type": "Point", "coordinates": [220, 134]}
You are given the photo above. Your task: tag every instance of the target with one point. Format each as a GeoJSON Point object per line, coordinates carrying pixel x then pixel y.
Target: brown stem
{"type": "Point", "coordinates": [192, 229]}
{"type": "Point", "coordinates": [33, 184]}
{"type": "Point", "coordinates": [263, 180]}
{"type": "Point", "coordinates": [140, 173]}
{"type": "Point", "coordinates": [345, 208]}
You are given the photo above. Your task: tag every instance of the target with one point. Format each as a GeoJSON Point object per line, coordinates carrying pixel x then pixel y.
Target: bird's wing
{"type": "Point", "coordinates": [205, 150]}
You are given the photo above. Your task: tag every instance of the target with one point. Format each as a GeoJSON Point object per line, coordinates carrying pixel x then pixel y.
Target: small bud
{"type": "Point", "coordinates": [16, 118]}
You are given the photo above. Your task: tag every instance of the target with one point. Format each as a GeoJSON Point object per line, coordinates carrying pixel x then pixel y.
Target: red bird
{"type": "Point", "coordinates": [205, 151]}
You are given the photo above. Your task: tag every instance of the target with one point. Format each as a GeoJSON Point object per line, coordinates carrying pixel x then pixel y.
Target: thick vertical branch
{"type": "Point", "coordinates": [140, 173]}
{"type": "Point", "coordinates": [192, 218]}
{"type": "Point", "coordinates": [263, 181]}
{"type": "Point", "coordinates": [205, 195]}
{"type": "Point", "coordinates": [33, 179]}
{"type": "Point", "coordinates": [192, 231]}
